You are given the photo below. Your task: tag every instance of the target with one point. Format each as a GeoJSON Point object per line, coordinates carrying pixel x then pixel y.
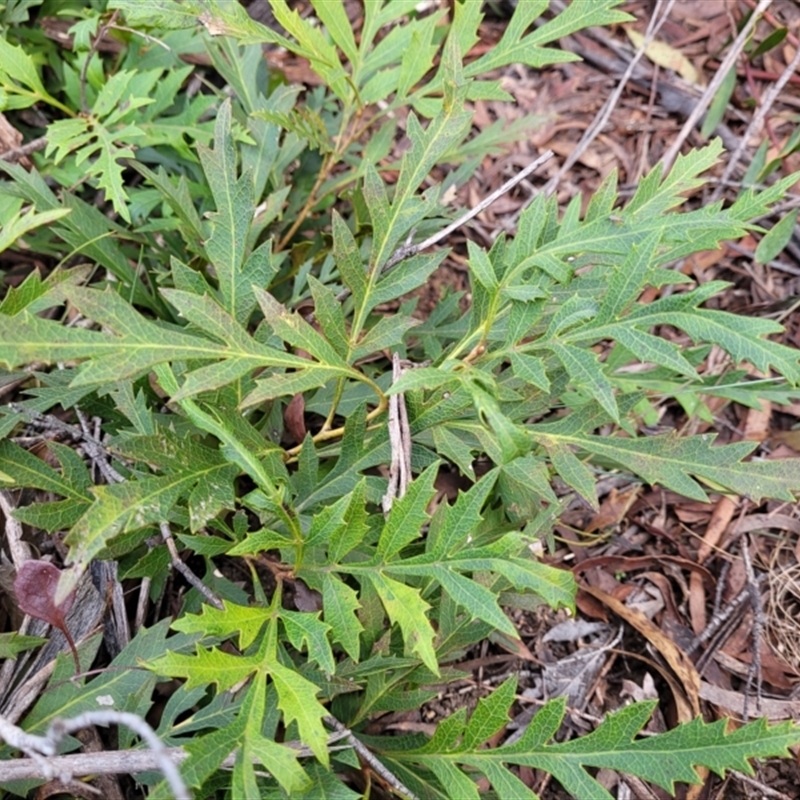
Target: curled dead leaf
{"type": "Point", "coordinates": [678, 660]}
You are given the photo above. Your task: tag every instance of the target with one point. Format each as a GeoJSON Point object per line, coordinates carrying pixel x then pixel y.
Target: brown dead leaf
{"type": "Point", "coordinates": [590, 607]}
{"type": "Point", "coordinates": [790, 438]}
{"type": "Point", "coordinates": [10, 139]}
{"type": "Point", "coordinates": [294, 418]}
{"type": "Point", "coordinates": [296, 69]}
{"type": "Point", "coordinates": [773, 671]}
{"type": "Point", "coordinates": [718, 524]}
{"type": "Point", "coordinates": [699, 263]}
{"type": "Point", "coordinates": [756, 522]}
{"type": "Point", "coordinates": [678, 661]}
{"type": "Point", "coordinates": [720, 519]}
{"type": "Point", "coordinates": [515, 646]}
{"type": "Point", "coordinates": [635, 563]}
{"type": "Point", "coordinates": [592, 158]}
{"type": "Point", "coordinates": [613, 509]}
{"type": "Point", "coordinates": [756, 424]}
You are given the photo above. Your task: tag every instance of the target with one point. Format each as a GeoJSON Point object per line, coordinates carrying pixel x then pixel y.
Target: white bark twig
{"type": "Point", "coordinates": [400, 439]}
{"type": "Point", "coordinates": [62, 727]}
{"type": "Point", "coordinates": [41, 749]}
{"type": "Point", "coordinates": [20, 740]}
{"type": "Point", "coordinates": [19, 551]}
{"type": "Point", "coordinates": [120, 762]}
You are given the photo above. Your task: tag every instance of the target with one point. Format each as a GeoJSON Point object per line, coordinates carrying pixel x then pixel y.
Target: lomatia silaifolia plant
{"type": "Point", "coordinates": [224, 246]}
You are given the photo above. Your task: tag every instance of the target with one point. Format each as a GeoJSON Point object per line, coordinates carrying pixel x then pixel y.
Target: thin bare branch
{"type": "Point", "coordinates": [755, 124]}
{"type": "Point", "coordinates": [16, 153]}
{"type": "Point", "coordinates": [123, 762]}
{"type": "Point", "coordinates": [718, 621]}
{"type": "Point", "coordinates": [19, 551]}
{"type": "Point", "coordinates": [765, 790]}
{"type": "Point", "coordinates": [95, 44]}
{"type": "Point", "coordinates": [366, 754]}
{"type": "Point", "coordinates": [187, 573]}
{"type": "Point", "coordinates": [754, 673]}
{"type": "Point", "coordinates": [657, 19]}
{"type": "Point", "coordinates": [713, 87]}
{"type": "Point", "coordinates": [400, 439]}
{"type": "Point", "coordinates": [97, 451]}
{"type": "Point", "coordinates": [408, 250]}
{"type": "Point", "coordinates": [39, 748]}
{"type": "Point", "coordinates": [93, 447]}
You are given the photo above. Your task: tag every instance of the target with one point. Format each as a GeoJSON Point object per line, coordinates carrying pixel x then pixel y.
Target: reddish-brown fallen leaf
{"type": "Point", "coordinates": [294, 418]}
{"type": "Point", "coordinates": [35, 587]}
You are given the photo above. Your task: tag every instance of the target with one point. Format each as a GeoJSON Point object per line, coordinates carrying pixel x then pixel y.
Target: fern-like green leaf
{"type": "Point", "coordinates": [406, 608]}
{"type": "Point", "coordinates": [671, 461]}
{"type": "Point", "coordinates": [297, 698]}
{"type": "Point", "coordinates": [515, 46]}
{"type": "Point", "coordinates": [664, 759]}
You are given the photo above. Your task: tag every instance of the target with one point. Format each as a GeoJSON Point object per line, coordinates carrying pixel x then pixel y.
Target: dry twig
{"type": "Point", "coordinates": [17, 153]}
{"type": "Point", "coordinates": [121, 762]}
{"type": "Point", "coordinates": [716, 623]}
{"type": "Point", "coordinates": [407, 252]}
{"type": "Point", "coordinates": [95, 44]}
{"type": "Point", "coordinates": [713, 87]}
{"type": "Point", "coordinates": [766, 104]}
{"type": "Point", "coordinates": [366, 754]}
{"type": "Point", "coordinates": [41, 748]}
{"type": "Point", "coordinates": [765, 790]}
{"type": "Point", "coordinates": [212, 598]}
{"type": "Point", "coordinates": [400, 438]}
{"type": "Point", "coordinates": [759, 622]}
{"type": "Point", "coordinates": [93, 447]}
